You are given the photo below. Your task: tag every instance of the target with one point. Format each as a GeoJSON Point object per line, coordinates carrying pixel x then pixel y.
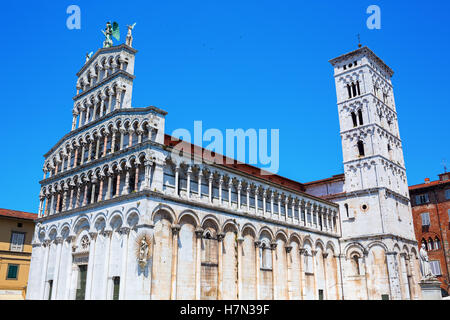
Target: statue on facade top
{"type": "Point", "coordinates": [424, 264]}
{"type": "Point", "coordinates": [111, 31]}
{"type": "Point", "coordinates": [129, 38]}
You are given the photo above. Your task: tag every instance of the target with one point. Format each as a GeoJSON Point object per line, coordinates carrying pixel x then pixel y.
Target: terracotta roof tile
{"type": "Point", "coordinates": [18, 214]}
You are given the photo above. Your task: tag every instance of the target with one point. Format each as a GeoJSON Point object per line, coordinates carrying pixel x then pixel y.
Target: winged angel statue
{"type": "Point", "coordinates": [111, 31]}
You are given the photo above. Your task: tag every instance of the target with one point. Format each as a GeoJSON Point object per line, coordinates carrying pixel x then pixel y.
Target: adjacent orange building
{"type": "Point", "coordinates": [16, 233]}
{"type": "Point", "coordinates": [430, 203]}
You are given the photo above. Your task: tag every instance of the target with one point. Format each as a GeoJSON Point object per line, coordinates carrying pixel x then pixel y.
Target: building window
{"type": "Point", "coordinates": [360, 117]}
{"type": "Point", "coordinates": [361, 148]}
{"type": "Point", "coordinates": [17, 241]}
{"type": "Point", "coordinates": [384, 297]}
{"type": "Point", "coordinates": [422, 198]}
{"type": "Point", "coordinates": [425, 243]}
{"type": "Point", "coordinates": [437, 243]}
{"type": "Point", "coordinates": [430, 244]}
{"type": "Point", "coordinates": [425, 219]}
{"type": "Point", "coordinates": [435, 267]}
{"type": "Point", "coordinates": [355, 124]}
{"type": "Point", "coordinates": [355, 263]}
{"type": "Point", "coordinates": [447, 194]}
{"type": "Point", "coordinates": [13, 272]}
{"type": "Point", "coordinates": [346, 209]}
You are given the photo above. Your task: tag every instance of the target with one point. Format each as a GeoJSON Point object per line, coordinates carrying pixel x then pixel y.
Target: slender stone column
{"type": "Point", "coordinates": [220, 189]}
{"type": "Point", "coordinates": [125, 231]}
{"type": "Point", "coordinates": [147, 165]}
{"type": "Point", "coordinates": [256, 201]}
{"type": "Point", "coordinates": [74, 121]}
{"type": "Point", "coordinates": [273, 247]}
{"type": "Point", "coordinates": [100, 189]}
{"type": "Point", "coordinates": [136, 177]}
{"type": "Point", "coordinates": [108, 190]}
{"type": "Point", "coordinates": [313, 253]}
{"type": "Point", "coordinates": [46, 249]}
{"type": "Point", "coordinates": [91, 264]}
{"type": "Point", "coordinates": [52, 208]}
{"type": "Point", "coordinates": [127, 180]}
{"type": "Point", "coordinates": [58, 198]}
{"type": "Point", "coordinates": [325, 255]}
{"type": "Point", "coordinates": [279, 207]}
{"type": "Point", "coordinates": [264, 196]}
{"type": "Point", "coordinates": [173, 282]}
{"type": "Point", "coordinates": [301, 252]}
{"type": "Point", "coordinates": [97, 148]}
{"type": "Point", "coordinates": [198, 249]}
{"type": "Point", "coordinates": [102, 105]}
{"type": "Point", "coordinates": [77, 200]}
{"type": "Point", "coordinates": [107, 234]}
{"type": "Point", "coordinates": [139, 134]}
{"type": "Point", "coordinates": [122, 132]}
{"type": "Point", "coordinates": [113, 140]}
{"type": "Point", "coordinates": [230, 189]}
{"type": "Point", "coordinates": [69, 266]}
{"type": "Point", "coordinates": [200, 174]}
{"type": "Point", "coordinates": [240, 240]}
{"type": "Point", "coordinates": [188, 183]}
{"type": "Point", "coordinates": [69, 159]}
{"type": "Point", "coordinates": [118, 183]}
{"type": "Point", "coordinates": [198, 234]}
{"type": "Point", "coordinates": [118, 98]}
{"type": "Point", "coordinates": [257, 267]}
{"type": "Point", "coordinates": [90, 151]}
{"type": "Point", "coordinates": [177, 179]}
{"type": "Point", "coordinates": [105, 144]}
{"type": "Point", "coordinates": [248, 198]}
{"type": "Point", "coordinates": [288, 271]}
{"type": "Point", "coordinates": [80, 119]}
{"type": "Point", "coordinates": [75, 157]}
{"type": "Point", "coordinates": [64, 200]}
{"type": "Point", "coordinates": [83, 147]}
{"type": "Point", "coordinates": [239, 189]}
{"type": "Point", "coordinates": [72, 187]}
{"type": "Point", "coordinates": [272, 196]}
{"type": "Point", "coordinates": [58, 242]}
{"type": "Point", "coordinates": [130, 137]}
{"type": "Point", "coordinates": [210, 187]}
{"type": "Point", "coordinates": [220, 237]}
{"type": "Point", "coordinates": [94, 181]}
{"type": "Point", "coordinates": [41, 203]}
{"type": "Point", "coordinates": [85, 193]}
{"type": "Point", "coordinates": [110, 93]}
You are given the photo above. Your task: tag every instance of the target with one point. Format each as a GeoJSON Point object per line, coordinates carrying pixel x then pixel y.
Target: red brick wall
{"type": "Point", "coordinates": [439, 226]}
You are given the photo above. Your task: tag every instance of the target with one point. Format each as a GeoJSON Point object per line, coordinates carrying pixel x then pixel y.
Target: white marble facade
{"type": "Point", "coordinates": [213, 231]}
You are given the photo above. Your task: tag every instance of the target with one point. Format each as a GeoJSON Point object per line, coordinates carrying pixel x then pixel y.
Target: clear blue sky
{"type": "Point", "coordinates": [231, 64]}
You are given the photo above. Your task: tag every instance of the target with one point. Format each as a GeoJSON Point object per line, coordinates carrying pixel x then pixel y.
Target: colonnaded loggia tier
{"type": "Point", "coordinates": [121, 217]}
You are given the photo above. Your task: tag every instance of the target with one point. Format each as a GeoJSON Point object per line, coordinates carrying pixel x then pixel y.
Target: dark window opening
{"type": "Point", "coordinates": [13, 270]}
{"type": "Point", "coordinates": [81, 285]}
{"type": "Point", "coordinates": [50, 289]}
{"type": "Point", "coordinates": [355, 124]}
{"type": "Point", "coordinates": [349, 91]}
{"type": "Point", "coordinates": [361, 148]}
{"type": "Point", "coordinates": [360, 116]}
{"type": "Point", "coordinates": [354, 89]}
{"type": "Point", "coordinates": [357, 87]}
{"type": "Point", "coordinates": [116, 290]}
{"type": "Point", "coordinates": [346, 209]}
{"type": "Point", "coordinates": [320, 294]}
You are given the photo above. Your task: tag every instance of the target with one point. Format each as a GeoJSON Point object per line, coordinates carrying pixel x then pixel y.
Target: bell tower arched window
{"type": "Point", "coordinates": [360, 117]}
{"type": "Point", "coordinates": [355, 124]}
{"type": "Point", "coordinates": [361, 148]}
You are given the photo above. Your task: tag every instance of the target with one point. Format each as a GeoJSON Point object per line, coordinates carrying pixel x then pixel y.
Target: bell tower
{"type": "Point", "coordinates": [375, 175]}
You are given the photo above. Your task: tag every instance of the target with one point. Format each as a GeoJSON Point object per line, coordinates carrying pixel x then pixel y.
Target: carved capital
{"type": "Point", "coordinates": [288, 248]}
{"type": "Point", "coordinates": [273, 245]}
{"type": "Point", "coordinates": [301, 251]}
{"type": "Point", "coordinates": [199, 232]}
{"type": "Point", "coordinates": [257, 243]}
{"type": "Point", "coordinates": [220, 236]}
{"type": "Point", "coordinates": [175, 228]}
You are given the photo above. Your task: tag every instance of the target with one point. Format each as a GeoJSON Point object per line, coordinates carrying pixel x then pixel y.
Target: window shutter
{"type": "Point", "coordinates": [17, 241]}
{"type": "Point", "coordinates": [425, 219]}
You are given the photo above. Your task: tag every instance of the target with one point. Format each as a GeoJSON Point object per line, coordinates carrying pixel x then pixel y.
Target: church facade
{"type": "Point", "coordinates": [122, 217]}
